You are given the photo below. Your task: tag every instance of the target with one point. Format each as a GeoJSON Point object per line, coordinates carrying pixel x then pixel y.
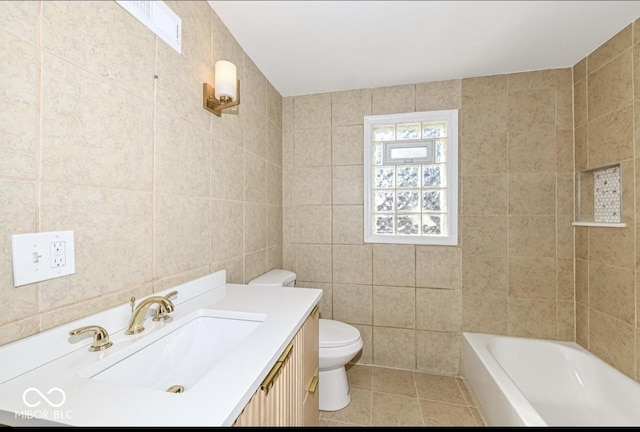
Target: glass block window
{"type": "Point", "coordinates": [411, 178]}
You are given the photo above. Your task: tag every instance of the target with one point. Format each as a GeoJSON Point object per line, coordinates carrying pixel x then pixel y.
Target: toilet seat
{"type": "Point", "coordinates": [335, 334]}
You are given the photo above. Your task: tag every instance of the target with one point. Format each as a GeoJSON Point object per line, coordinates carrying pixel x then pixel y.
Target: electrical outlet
{"type": "Point", "coordinates": [58, 258]}
{"type": "Point", "coordinates": [42, 256]}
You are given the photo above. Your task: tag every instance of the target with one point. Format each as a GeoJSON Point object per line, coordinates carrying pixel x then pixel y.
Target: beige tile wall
{"type": "Point", "coordinates": [606, 85]}
{"type": "Point", "coordinates": [512, 272]}
{"type": "Point", "coordinates": [103, 132]}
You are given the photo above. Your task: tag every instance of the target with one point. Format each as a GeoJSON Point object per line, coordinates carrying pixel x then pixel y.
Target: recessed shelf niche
{"type": "Point", "coordinates": [599, 200]}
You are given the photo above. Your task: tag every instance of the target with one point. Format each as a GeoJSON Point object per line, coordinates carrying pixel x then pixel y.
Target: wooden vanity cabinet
{"type": "Point", "coordinates": [288, 396]}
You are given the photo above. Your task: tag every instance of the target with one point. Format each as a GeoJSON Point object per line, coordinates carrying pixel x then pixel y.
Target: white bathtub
{"type": "Point", "coordinates": [535, 382]}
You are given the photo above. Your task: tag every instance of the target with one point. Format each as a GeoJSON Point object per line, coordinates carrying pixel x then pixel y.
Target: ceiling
{"type": "Point", "coordinates": [306, 47]}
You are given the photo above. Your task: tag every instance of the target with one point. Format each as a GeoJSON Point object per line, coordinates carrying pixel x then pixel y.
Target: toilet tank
{"type": "Point", "coordinates": [275, 278]}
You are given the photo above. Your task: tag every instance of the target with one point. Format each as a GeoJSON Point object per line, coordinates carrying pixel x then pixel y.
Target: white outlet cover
{"type": "Point", "coordinates": [42, 256]}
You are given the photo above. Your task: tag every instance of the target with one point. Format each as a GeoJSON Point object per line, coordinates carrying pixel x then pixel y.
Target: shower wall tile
{"type": "Point", "coordinates": [18, 215]}
{"type": "Point", "coordinates": [532, 194]}
{"type": "Point", "coordinates": [274, 227]}
{"type": "Point", "coordinates": [484, 195]}
{"type": "Point", "coordinates": [533, 236]}
{"type": "Point", "coordinates": [18, 124]}
{"type": "Point", "coordinates": [182, 229]}
{"type": "Point", "coordinates": [484, 314]}
{"type": "Point", "coordinates": [227, 230]}
{"type": "Point", "coordinates": [532, 151]}
{"type": "Point", "coordinates": [533, 318]}
{"type": "Point", "coordinates": [580, 70]}
{"type": "Point", "coordinates": [484, 116]}
{"type": "Point", "coordinates": [439, 310]}
{"type": "Point", "coordinates": [312, 186]}
{"type": "Point", "coordinates": [313, 224]}
{"type": "Point", "coordinates": [393, 99]}
{"type": "Point", "coordinates": [255, 264]}
{"type": "Point", "coordinates": [566, 321]}
{"type": "Point", "coordinates": [274, 112]}
{"type": "Point", "coordinates": [274, 143]}
{"type": "Point", "coordinates": [610, 87]}
{"type": "Point", "coordinates": [488, 239]}
{"type": "Point", "coordinates": [352, 264]}
{"type": "Point", "coordinates": [255, 131]}
{"type": "Point", "coordinates": [353, 303]}
{"type": "Point", "coordinates": [394, 307]}
{"type": "Point", "coordinates": [439, 95]}
{"type": "Point", "coordinates": [611, 137]}
{"type": "Point", "coordinates": [612, 291]}
{"type": "Point", "coordinates": [565, 279]}
{"type": "Point", "coordinates": [20, 19]}
{"type": "Point", "coordinates": [347, 223]}
{"type": "Point", "coordinates": [313, 262]}
{"type": "Point", "coordinates": [312, 111]}
{"type": "Point", "coordinates": [126, 46]}
{"type": "Point", "coordinates": [117, 222]}
{"type": "Point", "coordinates": [274, 184]}
{"type": "Point", "coordinates": [394, 265]}
{"type": "Point", "coordinates": [395, 348]}
{"type": "Point", "coordinates": [612, 340]}
{"type": "Point", "coordinates": [347, 185]}
{"type": "Point", "coordinates": [19, 329]}
{"type": "Point", "coordinates": [543, 79]}
{"type": "Point", "coordinates": [346, 145]}
{"type": "Point", "coordinates": [612, 246]}
{"type": "Point", "coordinates": [227, 171]}
{"type": "Point", "coordinates": [75, 135]}
{"type": "Point", "coordinates": [349, 107]}
{"type": "Point", "coordinates": [484, 275]}
{"type": "Point", "coordinates": [182, 157]}
{"type": "Point", "coordinates": [255, 179]}
{"type": "Point", "coordinates": [438, 267]}
{"type": "Point", "coordinates": [312, 147]}
{"type": "Point", "coordinates": [610, 49]}
{"type": "Point", "coordinates": [533, 278]}
{"type": "Point", "coordinates": [438, 352]}
{"type": "Point", "coordinates": [255, 227]}
{"type": "Point", "coordinates": [482, 155]}
{"type": "Point", "coordinates": [565, 151]}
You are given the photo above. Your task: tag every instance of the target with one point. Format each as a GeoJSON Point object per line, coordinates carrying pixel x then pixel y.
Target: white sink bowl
{"type": "Point", "coordinates": [181, 355]}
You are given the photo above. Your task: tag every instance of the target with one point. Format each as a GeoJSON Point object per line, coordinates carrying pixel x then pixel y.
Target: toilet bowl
{"type": "Point", "coordinates": [339, 343]}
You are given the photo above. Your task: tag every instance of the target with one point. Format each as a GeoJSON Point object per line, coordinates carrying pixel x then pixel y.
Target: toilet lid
{"type": "Point", "coordinates": [336, 333]}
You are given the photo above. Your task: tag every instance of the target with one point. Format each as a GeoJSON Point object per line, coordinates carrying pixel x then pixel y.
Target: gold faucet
{"type": "Point", "coordinates": [138, 315]}
{"type": "Point", "coordinates": [100, 337]}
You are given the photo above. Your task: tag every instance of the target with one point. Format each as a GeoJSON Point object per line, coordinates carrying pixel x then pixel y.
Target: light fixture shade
{"type": "Point", "coordinates": [225, 82]}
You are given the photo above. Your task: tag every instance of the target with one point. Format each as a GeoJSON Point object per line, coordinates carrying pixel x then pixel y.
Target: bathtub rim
{"type": "Point", "coordinates": [513, 408]}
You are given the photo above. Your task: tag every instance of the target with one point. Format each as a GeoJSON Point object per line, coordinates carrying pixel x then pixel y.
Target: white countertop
{"type": "Point", "coordinates": [47, 365]}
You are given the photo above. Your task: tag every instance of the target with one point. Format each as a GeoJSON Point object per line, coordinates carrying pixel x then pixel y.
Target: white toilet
{"type": "Point", "coordinates": [339, 343]}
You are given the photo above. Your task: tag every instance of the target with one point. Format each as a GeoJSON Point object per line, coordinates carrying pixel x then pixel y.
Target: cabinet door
{"type": "Point", "coordinates": [288, 395]}
{"type": "Point", "coordinates": [311, 413]}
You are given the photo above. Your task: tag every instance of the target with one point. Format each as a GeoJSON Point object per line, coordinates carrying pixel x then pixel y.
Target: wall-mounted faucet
{"type": "Point", "coordinates": [138, 314]}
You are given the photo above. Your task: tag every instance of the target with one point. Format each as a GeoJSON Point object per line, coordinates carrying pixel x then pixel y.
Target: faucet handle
{"type": "Point", "coordinates": [162, 313]}
{"type": "Point", "coordinates": [100, 337]}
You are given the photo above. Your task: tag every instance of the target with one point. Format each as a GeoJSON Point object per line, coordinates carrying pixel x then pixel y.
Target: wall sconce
{"type": "Point", "coordinates": [226, 92]}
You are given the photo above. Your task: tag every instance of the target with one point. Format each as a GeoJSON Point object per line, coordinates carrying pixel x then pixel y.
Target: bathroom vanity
{"type": "Point", "coordinates": [229, 354]}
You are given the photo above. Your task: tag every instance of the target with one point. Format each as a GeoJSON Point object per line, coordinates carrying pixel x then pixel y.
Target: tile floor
{"type": "Point", "coordinates": [391, 397]}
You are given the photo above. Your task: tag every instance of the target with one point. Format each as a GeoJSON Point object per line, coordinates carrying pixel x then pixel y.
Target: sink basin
{"type": "Point", "coordinates": [179, 358]}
